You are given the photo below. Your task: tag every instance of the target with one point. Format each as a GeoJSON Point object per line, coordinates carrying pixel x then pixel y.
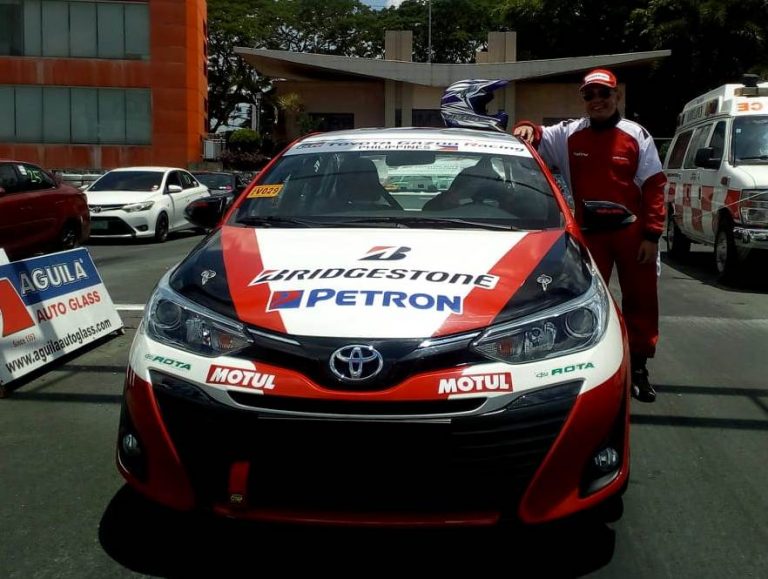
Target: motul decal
{"type": "Point", "coordinates": [13, 312]}
{"type": "Point", "coordinates": [476, 383]}
{"type": "Point", "coordinates": [229, 376]}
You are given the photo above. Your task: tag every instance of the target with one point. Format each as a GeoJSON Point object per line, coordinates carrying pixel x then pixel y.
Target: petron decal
{"type": "Point", "coordinates": [476, 383]}
{"type": "Point", "coordinates": [307, 299]}
{"type": "Point", "coordinates": [230, 376]}
{"type": "Point", "coordinates": [178, 365]}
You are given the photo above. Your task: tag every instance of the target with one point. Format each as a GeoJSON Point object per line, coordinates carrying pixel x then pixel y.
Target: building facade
{"type": "Point", "coordinates": [88, 84]}
{"type": "Point", "coordinates": [343, 92]}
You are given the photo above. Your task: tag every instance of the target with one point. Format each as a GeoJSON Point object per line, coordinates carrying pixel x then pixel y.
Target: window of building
{"type": "Point", "coordinates": [35, 114]}
{"type": "Point", "coordinates": [333, 121]}
{"type": "Point", "coordinates": [11, 28]}
{"type": "Point", "coordinates": [427, 118]}
{"type": "Point", "coordinates": [74, 29]}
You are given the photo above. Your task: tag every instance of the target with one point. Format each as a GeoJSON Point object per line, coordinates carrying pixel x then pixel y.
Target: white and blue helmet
{"type": "Point", "coordinates": [463, 105]}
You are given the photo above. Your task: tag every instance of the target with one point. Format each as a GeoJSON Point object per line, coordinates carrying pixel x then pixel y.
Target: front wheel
{"type": "Point", "coordinates": [161, 228]}
{"type": "Point", "coordinates": [69, 238]}
{"type": "Point", "coordinates": [678, 245]}
{"type": "Point", "coordinates": [726, 256]}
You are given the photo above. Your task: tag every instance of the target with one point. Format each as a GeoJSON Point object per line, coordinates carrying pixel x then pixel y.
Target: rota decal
{"type": "Point", "coordinates": [168, 362]}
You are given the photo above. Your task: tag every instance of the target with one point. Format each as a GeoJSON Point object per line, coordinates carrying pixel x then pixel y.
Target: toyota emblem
{"type": "Point", "coordinates": [356, 363]}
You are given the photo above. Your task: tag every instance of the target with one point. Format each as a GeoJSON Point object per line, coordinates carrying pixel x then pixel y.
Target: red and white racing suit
{"type": "Point", "coordinates": [616, 162]}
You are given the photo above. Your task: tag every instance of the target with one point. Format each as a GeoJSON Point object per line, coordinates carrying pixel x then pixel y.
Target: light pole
{"type": "Point", "coordinates": [256, 117]}
{"type": "Point", "coordinates": [429, 32]}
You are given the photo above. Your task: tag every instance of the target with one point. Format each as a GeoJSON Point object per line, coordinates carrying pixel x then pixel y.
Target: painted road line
{"type": "Point", "coordinates": [130, 307]}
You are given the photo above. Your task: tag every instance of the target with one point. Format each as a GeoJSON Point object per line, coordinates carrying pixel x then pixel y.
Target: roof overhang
{"type": "Point", "coordinates": [305, 66]}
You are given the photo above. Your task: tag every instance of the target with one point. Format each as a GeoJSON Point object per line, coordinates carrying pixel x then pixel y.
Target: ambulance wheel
{"type": "Point", "coordinates": [726, 255]}
{"type": "Point", "coordinates": [678, 245]}
{"type": "Point", "coordinates": [161, 228]}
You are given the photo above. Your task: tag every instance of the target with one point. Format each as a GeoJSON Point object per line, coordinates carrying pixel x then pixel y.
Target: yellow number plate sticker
{"type": "Point", "coordinates": [265, 191]}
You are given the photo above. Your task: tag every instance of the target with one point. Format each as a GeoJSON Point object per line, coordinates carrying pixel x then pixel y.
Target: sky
{"type": "Point", "coordinates": [381, 3]}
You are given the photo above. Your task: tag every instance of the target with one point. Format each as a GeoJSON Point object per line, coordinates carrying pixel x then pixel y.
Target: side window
{"type": "Point", "coordinates": [36, 178]}
{"type": "Point", "coordinates": [173, 179]}
{"type": "Point", "coordinates": [677, 154]}
{"type": "Point", "coordinates": [186, 180]}
{"type": "Point", "coordinates": [9, 179]}
{"type": "Point", "coordinates": [697, 142]}
{"type": "Point", "coordinates": [717, 141]}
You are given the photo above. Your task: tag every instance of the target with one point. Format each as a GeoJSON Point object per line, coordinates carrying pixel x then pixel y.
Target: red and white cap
{"type": "Point", "coordinates": [600, 76]}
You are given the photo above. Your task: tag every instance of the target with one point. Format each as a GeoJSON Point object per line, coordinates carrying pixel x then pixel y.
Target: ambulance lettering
{"type": "Point", "coordinates": [228, 376]}
{"type": "Point", "coordinates": [476, 383]}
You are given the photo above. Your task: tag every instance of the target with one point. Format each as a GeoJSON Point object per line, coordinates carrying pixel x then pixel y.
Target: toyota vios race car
{"type": "Point", "coordinates": [338, 351]}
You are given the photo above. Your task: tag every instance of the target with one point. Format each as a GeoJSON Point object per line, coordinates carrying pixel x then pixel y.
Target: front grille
{"type": "Point", "coordinates": [462, 464]}
{"type": "Point", "coordinates": [109, 226]}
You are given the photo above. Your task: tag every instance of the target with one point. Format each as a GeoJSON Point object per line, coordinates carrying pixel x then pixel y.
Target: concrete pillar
{"type": "Point", "coordinates": [502, 47]}
{"type": "Point", "coordinates": [398, 45]}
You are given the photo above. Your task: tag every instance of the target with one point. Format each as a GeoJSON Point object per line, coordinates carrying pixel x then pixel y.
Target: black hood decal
{"type": "Point", "coordinates": [560, 276]}
{"type": "Point", "coordinates": [202, 277]}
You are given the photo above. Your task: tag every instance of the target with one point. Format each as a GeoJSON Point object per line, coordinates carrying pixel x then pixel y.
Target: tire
{"type": "Point", "coordinates": [726, 255]}
{"type": "Point", "coordinates": [69, 238]}
{"type": "Point", "coordinates": [161, 228]}
{"type": "Point", "coordinates": [678, 245]}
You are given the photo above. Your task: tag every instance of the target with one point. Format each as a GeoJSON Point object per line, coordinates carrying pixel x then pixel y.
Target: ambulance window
{"type": "Point", "coordinates": [717, 142]}
{"type": "Point", "coordinates": [699, 138]}
{"type": "Point", "coordinates": [677, 153]}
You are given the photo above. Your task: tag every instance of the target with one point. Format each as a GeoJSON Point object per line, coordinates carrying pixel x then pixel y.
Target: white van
{"type": "Point", "coordinates": [717, 173]}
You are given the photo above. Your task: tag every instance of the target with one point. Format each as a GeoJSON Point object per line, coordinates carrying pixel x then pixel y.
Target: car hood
{"type": "Point", "coordinates": [381, 283]}
{"type": "Point", "coordinates": [119, 197]}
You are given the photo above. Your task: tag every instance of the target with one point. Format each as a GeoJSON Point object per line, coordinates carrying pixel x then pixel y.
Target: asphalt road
{"type": "Point", "coordinates": [696, 506]}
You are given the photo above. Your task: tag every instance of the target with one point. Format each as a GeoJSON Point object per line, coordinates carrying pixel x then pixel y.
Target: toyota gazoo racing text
{"type": "Point", "coordinates": [394, 327]}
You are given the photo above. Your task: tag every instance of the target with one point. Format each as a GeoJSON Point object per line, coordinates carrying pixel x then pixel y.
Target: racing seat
{"type": "Point", "coordinates": [471, 185]}
{"type": "Point", "coordinates": [358, 187]}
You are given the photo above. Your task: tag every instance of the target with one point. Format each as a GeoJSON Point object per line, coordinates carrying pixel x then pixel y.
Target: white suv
{"type": "Point", "coordinates": [146, 202]}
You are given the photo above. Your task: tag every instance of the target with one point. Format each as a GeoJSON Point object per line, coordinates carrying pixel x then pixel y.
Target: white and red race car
{"type": "Point", "coordinates": [391, 326]}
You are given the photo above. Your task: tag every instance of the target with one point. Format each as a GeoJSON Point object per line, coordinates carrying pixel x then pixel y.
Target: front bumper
{"type": "Point", "coordinates": [122, 224]}
{"type": "Point", "coordinates": [527, 463]}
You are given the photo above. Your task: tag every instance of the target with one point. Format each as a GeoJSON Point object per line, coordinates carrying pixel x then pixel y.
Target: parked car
{"type": "Point", "coordinates": [228, 185]}
{"type": "Point", "coordinates": [37, 212]}
{"type": "Point", "coordinates": [328, 355]}
{"type": "Point", "coordinates": [142, 202]}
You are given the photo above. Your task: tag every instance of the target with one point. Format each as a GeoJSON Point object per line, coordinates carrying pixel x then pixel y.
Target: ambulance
{"type": "Point", "coordinates": [717, 175]}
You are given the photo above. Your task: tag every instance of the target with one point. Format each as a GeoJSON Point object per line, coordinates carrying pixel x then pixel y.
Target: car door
{"type": "Point", "coordinates": [712, 186]}
{"type": "Point", "coordinates": [47, 206]}
{"type": "Point", "coordinates": [192, 190]}
{"type": "Point", "coordinates": [176, 200]}
{"type": "Point", "coordinates": [692, 211]}
{"type": "Point", "coordinates": [15, 211]}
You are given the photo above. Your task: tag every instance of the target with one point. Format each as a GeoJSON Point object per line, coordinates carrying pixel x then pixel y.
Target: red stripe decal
{"type": "Point", "coordinates": [706, 198]}
{"type": "Point", "coordinates": [696, 219]}
{"type": "Point", "coordinates": [242, 261]}
{"type": "Point", "coordinates": [482, 306]}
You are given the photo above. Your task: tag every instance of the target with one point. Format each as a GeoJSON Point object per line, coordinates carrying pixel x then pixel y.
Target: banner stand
{"type": "Point", "coordinates": [50, 306]}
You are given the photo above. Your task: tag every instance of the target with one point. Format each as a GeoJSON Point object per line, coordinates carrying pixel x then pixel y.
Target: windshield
{"type": "Point", "coordinates": [129, 181]}
{"type": "Point", "coordinates": [411, 188]}
{"type": "Point", "coordinates": [215, 180]}
{"type": "Point", "coordinates": [750, 140]}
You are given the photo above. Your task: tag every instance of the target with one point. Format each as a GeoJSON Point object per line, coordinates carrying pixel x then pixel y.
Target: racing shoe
{"type": "Point", "coordinates": [641, 388]}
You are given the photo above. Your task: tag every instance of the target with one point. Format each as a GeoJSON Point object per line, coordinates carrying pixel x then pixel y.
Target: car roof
{"type": "Point", "coordinates": [155, 169]}
{"type": "Point", "coordinates": [212, 173]}
{"type": "Point", "coordinates": [411, 133]}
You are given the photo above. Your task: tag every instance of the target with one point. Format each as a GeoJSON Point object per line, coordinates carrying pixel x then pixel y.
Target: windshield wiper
{"type": "Point", "coordinates": [752, 158]}
{"type": "Point", "coordinates": [421, 221]}
{"type": "Point", "coordinates": [275, 221]}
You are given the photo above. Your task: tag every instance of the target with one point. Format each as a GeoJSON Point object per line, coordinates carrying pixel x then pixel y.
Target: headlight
{"type": "Point", "coordinates": [174, 320]}
{"type": "Point", "coordinates": [566, 329]}
{"type": "Point", "coordinates": [133, 207]}
{"type": "Point", "coordinates": [753, 204]}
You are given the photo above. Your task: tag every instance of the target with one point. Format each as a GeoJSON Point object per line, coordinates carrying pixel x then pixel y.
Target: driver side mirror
{"type": "Point", "coordinates": [174, 189]}
{"type": "Point", "coordinates": [605, 215]}
{"type": "Point", "coordinates": [705, 158]}
{"type": "Point", "coordinates": [206, 212]}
